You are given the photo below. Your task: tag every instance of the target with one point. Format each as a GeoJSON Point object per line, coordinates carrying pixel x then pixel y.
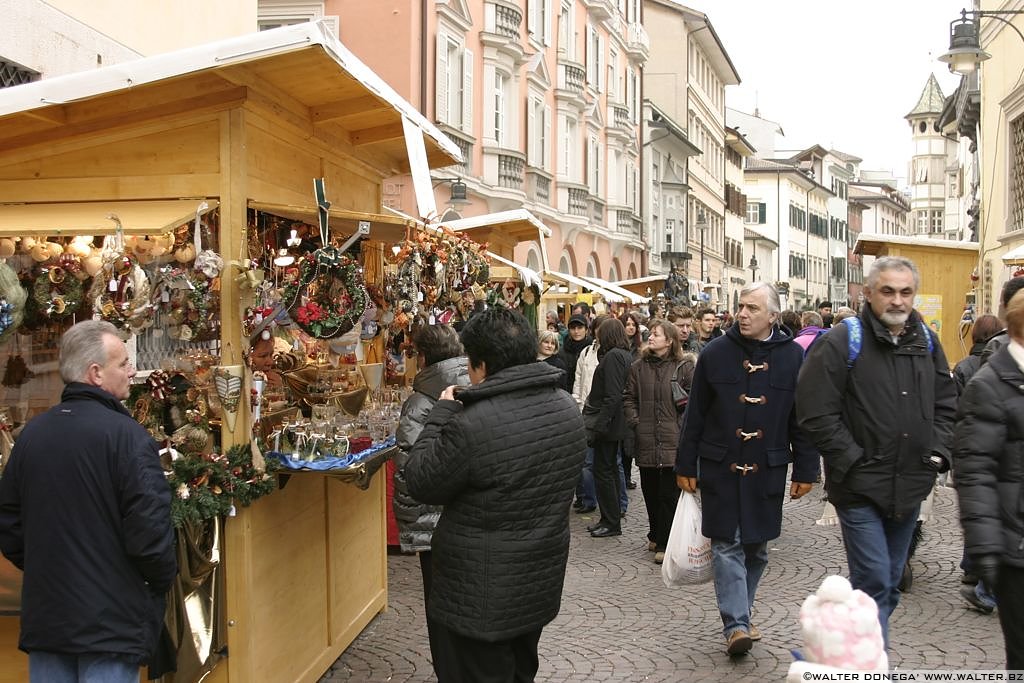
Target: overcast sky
{"type": "Point", "coordinates": [836, 73]}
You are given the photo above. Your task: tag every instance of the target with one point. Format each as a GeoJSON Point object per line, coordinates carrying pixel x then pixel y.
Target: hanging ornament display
{"type": "Point", "coordinates": [120, 291]}
{"type": "Point", "coordinates": [56, 293]}
{"type": "Point", "coordinates": [228, 381]}
{"type": "Point", "coordinates": [327, 297]}
{"type": "Point", "coordinates": [189, 296]}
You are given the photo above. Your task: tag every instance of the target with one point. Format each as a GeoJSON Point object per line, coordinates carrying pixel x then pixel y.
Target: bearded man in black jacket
{"type": "Point", "coordinates": [85, 512]}
{"type": "Point", "coordinates": [882, 420]}
{"type": "Point", "coordinates": [502, 456]}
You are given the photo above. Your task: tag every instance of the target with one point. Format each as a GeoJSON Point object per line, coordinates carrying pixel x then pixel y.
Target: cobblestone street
{"type": "Point", "coordinates": [620, 623]}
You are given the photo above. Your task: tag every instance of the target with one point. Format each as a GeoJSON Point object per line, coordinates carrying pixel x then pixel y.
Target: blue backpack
{"type": "Point", "coordinates": [855, 339]}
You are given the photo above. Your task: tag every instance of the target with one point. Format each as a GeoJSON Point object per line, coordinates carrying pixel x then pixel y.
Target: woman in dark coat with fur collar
{"type": "Point", "coordinates": [651, 412]}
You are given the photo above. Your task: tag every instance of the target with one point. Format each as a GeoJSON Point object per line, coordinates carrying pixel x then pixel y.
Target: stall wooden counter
{"type": "Point", "coordinates": [250, 119]}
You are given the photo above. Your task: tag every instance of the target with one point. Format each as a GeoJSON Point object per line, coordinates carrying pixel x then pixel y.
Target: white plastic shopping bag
{"type": "Point", "coordinates": [688, 554]}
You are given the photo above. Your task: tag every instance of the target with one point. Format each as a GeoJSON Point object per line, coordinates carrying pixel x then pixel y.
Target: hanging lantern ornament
{"type": "Point", "coordinates": [974, 275]}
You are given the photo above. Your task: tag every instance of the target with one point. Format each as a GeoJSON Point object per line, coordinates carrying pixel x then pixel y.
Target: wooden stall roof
{"type": "Point", "coordinates": [97, 218]}
{"type": "Point", "coordinates": [872, 245]}
{"type": "Point", "coordinates": [527, 275]}
{"type": "Point", "coordinates": [302, 68]}
{"type": "Point", "coordinates": [383, 228]}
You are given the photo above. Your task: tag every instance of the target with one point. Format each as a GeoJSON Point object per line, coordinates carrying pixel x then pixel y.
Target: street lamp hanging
{"type": "Point", "coordinates": [702, 225]}
{"type": "Point", "coordinates": [965, 53]}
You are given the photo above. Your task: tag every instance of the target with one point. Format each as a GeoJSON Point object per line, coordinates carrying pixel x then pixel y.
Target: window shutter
{"type": "Point", "coordinates": [591, 54]}
{"type": "Point", "coordinates": [467, 91]}
{"type": "Point", "coordinates": [531, 20]}
{"type": "Point", "coordinates": [547, 141]}
{"type": "Point", "coordinates": [761, 218]}
{"type": "Point", "coordinates": [441, 79]}
{"type": "Point", "coordinates": [545, 19]}
{"type": "Point", "coordinates": [532, 138]}
{"type": "Point", "coordinates": [601, 77]}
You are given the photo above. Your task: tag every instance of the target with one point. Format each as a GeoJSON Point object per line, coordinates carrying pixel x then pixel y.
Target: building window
{"type": "Point", "coordinates": [539, 132]}
{"type": "Point", "coordinates": [1016, 190]}
{"type": "Point", "coordinates": [670, 228]}
{"type": "Point", "coordinates": [539, 20]}
{"type": "Point", "coordinates": [756, 212]}
{"type": "Point", "coordinates": [937, 221]}
{"type": "Point", "coordinates": [454, 93]}
{"type": "Point", "coordinates": [594, 166]}
{"type": "Point", "coordinates": [499, 107]}
{"type": "Point", "coordinates": [277, 13]}
{"type": "Point", "coordinates": [12, 74]}
{"type": "Point", "coordinates": [567, 30]}
{"type": "Point", "coordinates": [567, 163]}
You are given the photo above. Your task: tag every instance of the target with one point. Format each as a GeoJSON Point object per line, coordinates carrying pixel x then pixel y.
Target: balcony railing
{"type": "Point", "coordinates": [507, 20]}
{"type": "Point", "coordinates": [597, 210]}
{"type": "Point", "coordinates": [601, 9]}
{"type": "Point", "coordinates": [621, 117]}
{"type": "Point", "coordinates": [466, 147]}
{"type": "Point", "coordinates": [539, 187]}
{"type": "Point", "coordinates": [510, 171]}
{"type": "Point", "coordinates": [572, 77]}
{"type": "Point", "coordinates": [627, 223]}
{"type": "Point", "coordinates": [578, 204]}
{"type": "Point", "coordinates": [638, 43]}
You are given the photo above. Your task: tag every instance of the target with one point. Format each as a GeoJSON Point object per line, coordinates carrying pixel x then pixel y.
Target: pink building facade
{"type": "Point", "coordinates": [544, 99]}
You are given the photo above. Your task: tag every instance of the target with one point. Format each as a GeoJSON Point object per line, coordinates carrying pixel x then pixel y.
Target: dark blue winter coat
{"type": "Point", "coordinates": [85, 511]}
{"type": "Point", "coordinates": [741, 414]}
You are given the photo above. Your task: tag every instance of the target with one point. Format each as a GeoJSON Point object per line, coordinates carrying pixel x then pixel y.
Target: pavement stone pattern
{"type": "Point", "coordinates": [618, 621]}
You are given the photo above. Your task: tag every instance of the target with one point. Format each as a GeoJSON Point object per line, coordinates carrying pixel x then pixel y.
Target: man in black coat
{"type": "Point", "coordinates": [502, 456]}
{"type": "Point", "coordinates": [85, 513]}
{"type": "Point", "coordinates": [738, 439]}
{"type": "Point", "coordinates": [883, 422]}
{"type": "Point", "coordinates": [989, 461]}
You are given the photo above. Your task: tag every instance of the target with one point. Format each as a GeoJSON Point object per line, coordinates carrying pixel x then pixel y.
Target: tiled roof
{"type": "Point", "coordinates": [931, 100]}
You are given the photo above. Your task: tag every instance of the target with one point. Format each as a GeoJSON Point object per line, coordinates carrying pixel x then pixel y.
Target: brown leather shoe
{"type": "Point", "coordinates": [755, 633]}
{"type": "Point", "coordinates": [738, 642]}
{"type": "Point", "coordinates": [659, 557]}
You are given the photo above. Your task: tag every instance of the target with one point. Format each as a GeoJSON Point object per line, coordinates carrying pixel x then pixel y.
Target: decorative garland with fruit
{"type": "Point", "coordinates": [56, 293]}
{"type": "Point", "coordinates": [120, 294]}
{"type": "Point", "coordinates": [327, 296]}
{"type": "Point", "coordinates": [208, 485]}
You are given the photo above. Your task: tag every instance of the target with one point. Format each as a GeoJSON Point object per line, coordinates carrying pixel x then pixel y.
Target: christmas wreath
{"type": "Point", "coordinates": [208, 485]}
{"type": "Point", "coordinates": [120, 294]}
{"type": "Point", "coordinates": [191, 301]}
{"type": "Point", "coordinates": [327, 297]}
{"type": "Point", "coordinates": [56, 293]}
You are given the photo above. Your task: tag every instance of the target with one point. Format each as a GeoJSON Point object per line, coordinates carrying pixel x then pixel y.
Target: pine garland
{"type": "Point", "coordinates": [208, 485]}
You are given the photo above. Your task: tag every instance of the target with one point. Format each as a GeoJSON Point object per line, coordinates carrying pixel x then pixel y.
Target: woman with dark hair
{"type": "Point", "coordinates": [653, 414]}
{"type": "Point", "coordinates": [631, 321]}
{"type": "Point", "coordinates": [606, 424]}
{"type": "Point", "coordinates": [443, 364]}
{"type": "Point", "coordinates": [984, 329]}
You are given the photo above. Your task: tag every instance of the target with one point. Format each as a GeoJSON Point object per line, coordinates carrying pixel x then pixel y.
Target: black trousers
{"type": "Point", "coordinates": [1010, 594]}
{"type": "Point", "coordinates": [461, 659]}
{"type": "Point", "coordinates": [607, 484]}
{"type": "Point", "coordinates": [661, 493]}
{"type": "Point", "coordinates": [427, 571]}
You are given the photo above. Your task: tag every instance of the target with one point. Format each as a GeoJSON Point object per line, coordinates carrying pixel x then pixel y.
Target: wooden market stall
{"type": "Point", "coordinates": [945, 268]}
{"type": "Point", "coordinates": [245, 122]}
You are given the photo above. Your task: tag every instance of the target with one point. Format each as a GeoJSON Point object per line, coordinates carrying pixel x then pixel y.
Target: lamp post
{"type": "Point", "coordinates": [753, 267]}
{"type": "Point", "coordinates": [965, 53]}
{"type": "Point", "coordinates": [702, 225]}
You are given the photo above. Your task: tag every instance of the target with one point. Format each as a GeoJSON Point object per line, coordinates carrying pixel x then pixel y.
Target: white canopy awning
{"type": "Point", "coordinates": [631, 297]}
{"type": "Point", "coordinates": [568, 279]}
{"type": "Point", "coordinates": [1014, 256]}
{"type": "Point", "coordinates": [530, 276]}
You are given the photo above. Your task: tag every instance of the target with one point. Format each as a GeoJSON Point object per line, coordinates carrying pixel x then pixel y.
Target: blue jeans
{"type": "Point", "coordinates": [50, 667]}
{"type": "Point", "coordinates": [585, 491]}
{"type": "Point", "coordinates": [738, 568]}
{"type": "Point", "coordinates": [876, 550]}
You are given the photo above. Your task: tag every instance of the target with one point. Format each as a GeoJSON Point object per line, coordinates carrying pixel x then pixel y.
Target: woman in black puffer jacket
{"type": "Point", "coordinates": [988, 458]}
{"type": "Point", "coordinates": [655, 418]}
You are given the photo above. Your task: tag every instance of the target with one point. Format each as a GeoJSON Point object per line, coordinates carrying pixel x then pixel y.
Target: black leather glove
{"type": "Point", "coordinates": [986, 567]}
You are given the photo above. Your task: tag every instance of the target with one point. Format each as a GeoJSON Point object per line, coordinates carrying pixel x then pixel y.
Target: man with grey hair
{"type": "Point", "coordinates": [876, 397]}
{"type": "Point", "coordinates": [736, 444]}
{"type": "Point", "coordinates": [85, 514]}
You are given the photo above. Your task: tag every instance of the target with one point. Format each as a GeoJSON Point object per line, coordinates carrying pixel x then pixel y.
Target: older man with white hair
{"type": "Point", "coordinates": [739, 437]}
